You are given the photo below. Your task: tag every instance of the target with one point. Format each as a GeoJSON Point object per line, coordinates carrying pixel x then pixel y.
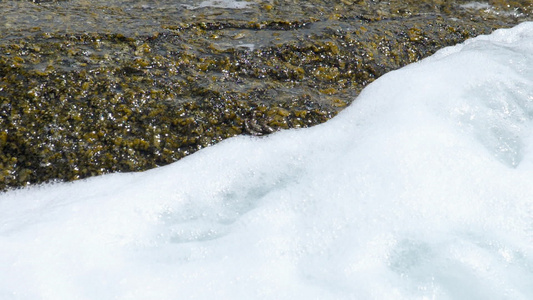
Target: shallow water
{"type": "Point", "coordinates": [421, 189]}
{"type": "Point", "coordinates": [95, 87]}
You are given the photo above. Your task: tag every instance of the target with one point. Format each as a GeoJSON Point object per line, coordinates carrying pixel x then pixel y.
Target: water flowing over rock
{"type": "Point", "coordinates": [92, 87]}
{"type": "Point", "coordinates": [420, 189]}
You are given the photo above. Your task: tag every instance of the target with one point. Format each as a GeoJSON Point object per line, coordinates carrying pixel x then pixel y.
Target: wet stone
{"type": "Point", "coordinates": [92, 87]}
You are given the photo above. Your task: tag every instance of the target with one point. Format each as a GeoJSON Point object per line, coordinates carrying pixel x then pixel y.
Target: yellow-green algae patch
{"type": "Point", "coordinates": [92, 87]}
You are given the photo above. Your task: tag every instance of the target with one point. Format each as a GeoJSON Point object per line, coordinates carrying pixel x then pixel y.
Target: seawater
{"type": "Point", "coordinates": [421, 189]}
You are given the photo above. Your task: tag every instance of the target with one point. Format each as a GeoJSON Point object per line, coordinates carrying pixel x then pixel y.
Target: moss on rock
{"type": "Point", "coordinates": [92, 87]}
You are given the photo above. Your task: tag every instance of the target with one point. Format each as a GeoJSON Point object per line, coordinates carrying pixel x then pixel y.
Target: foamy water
{"type": "Point", "coordinates": [220, 4]}
{"type": "Point", "coordinates": [421, 189]}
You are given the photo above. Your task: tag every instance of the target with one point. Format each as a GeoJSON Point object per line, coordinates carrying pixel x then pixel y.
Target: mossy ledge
{"type": "Point", "coordinates": [113, 87]}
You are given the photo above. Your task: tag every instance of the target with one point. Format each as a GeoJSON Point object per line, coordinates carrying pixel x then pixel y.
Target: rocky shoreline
{"type": "Point", "coordinates": [92, 87]}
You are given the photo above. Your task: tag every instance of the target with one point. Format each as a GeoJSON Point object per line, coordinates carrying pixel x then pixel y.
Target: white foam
{"type": "Point", "coordinates": [490, 9]}
{"type": "Point", "coordinates": [421, 189]}
{"type": "Point", "coordinates": [476, 5]}
{"type": "Point", "coordinates": [232, 4]}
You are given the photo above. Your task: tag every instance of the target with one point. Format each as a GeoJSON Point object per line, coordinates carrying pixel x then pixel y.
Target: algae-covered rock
{"type": "Point", "coordinates": [91, 87]}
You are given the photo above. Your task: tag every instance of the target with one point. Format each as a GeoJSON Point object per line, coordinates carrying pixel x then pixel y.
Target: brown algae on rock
{"type": "Point", "coordinates": [92, 87]}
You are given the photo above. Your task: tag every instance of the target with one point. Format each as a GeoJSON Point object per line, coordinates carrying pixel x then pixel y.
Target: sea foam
{"type": "Point", "coordinates": [421, 189]}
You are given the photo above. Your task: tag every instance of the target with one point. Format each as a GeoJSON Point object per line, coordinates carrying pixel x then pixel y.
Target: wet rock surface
{"type": "Point", "coordinates": [92, 87]}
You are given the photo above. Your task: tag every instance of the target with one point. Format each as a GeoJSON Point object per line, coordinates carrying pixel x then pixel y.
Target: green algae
{"type": "Point", "coordinates": [90, 87]}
